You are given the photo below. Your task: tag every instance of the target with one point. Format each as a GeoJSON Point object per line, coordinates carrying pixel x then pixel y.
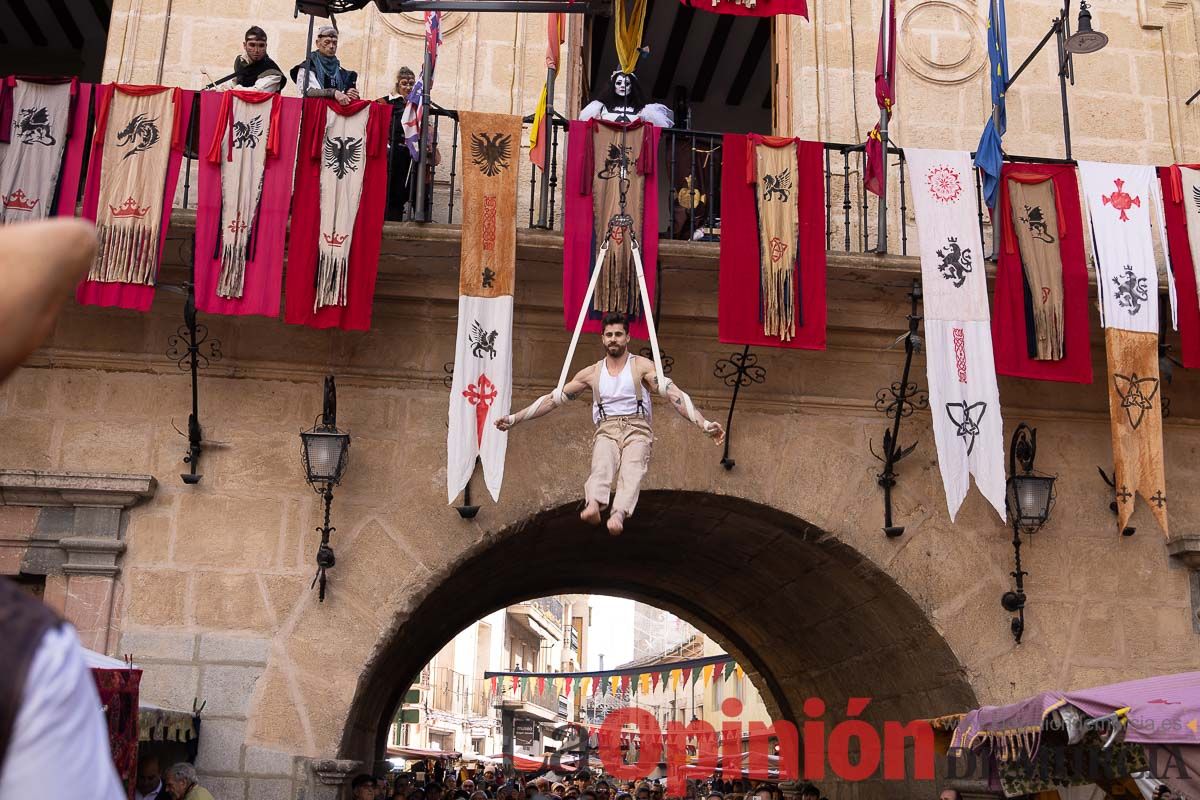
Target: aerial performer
{"type": "Point", "coordinates": [620, 385]}
{"type": "Point", "coordinates": [622, 101]}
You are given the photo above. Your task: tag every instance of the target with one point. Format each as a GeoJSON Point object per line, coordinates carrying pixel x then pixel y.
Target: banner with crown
{"type": "Point", "coordinates": [136, 153]}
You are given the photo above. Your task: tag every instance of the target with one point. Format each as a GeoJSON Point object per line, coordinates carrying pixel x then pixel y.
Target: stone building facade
{"type": "Point", "coordinates": [780, 560]}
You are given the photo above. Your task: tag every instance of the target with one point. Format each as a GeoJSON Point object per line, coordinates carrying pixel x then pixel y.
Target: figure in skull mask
{"type": "Point", "coordinates": [622, 101]}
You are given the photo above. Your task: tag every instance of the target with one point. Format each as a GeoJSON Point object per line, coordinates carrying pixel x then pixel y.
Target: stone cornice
{"type": "Point", "coordinates": [22, 487]}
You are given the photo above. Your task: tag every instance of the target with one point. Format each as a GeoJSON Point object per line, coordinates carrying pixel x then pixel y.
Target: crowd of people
{"type": "Point", "coordinates": [321, 74]}
{"type": "Point", "coordinates": [489, 783]}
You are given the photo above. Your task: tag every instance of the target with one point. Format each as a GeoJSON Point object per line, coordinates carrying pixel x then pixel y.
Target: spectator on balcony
{"type": "Point", "coordinates": [322, 75]}
{"type": "Point", "coordinates": [254, 69]}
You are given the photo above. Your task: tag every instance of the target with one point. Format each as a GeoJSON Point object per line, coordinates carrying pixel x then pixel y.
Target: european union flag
{"type": "Point", "coordinates": [988, 156]}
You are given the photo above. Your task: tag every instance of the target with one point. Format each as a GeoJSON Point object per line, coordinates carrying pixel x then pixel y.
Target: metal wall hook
{"type": "Point", "coordinates": [740, 369]}
{"type": "Point", "coordinates": [896, 402]}
{"type": "Point", "coordinates": [191, 347]}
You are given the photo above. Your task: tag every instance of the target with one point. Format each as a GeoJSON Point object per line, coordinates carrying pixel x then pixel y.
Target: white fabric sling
{"type": "Point", "coordinates": [1126, 272]}
{"type": "Point", "coordinates": [963, 396]}
{"type": "Point", "coordinates": [242, 167]}
{"type": "Point", "coordinates": [481, 392]}
{"type": "Point", "coordinates": [343, 159]}
{"type": "Point", "coordinates": [31, 163]}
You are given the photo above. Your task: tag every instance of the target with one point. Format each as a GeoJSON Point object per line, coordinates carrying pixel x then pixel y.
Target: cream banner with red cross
{"type": "Point", "coordinates": [481, 392]}
{"type": "Point", "coordinates": [1119, 200]}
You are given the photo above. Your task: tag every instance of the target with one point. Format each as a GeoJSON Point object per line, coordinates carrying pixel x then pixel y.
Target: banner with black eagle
{"type": "Point", "coordinates": [1181, 208]}
{"type": "Point", "coordinates": [481, 390]}
{"type": "Point", "coordinates": [610, 171]}
{"type": "Point", "coordinates": [339, 200]}
{"type": "Point", "coordinates": [1040, 319]}
{"type": "Point", "coordinates": [136, 153]}
{"type": "Point", "coordinates": [773, 206]}
{"type": "Point", "coordinates": [963, 396]}
{"type": "Point", "coordinates": [248, 153]}
{"type": "Point", "coordinates": [1119, 197]}
{"type": "Point", "coordinates": [43, 130]}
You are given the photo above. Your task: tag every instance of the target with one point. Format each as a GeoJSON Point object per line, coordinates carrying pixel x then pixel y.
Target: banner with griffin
{"type": "Point", "coordinates": [245, 192]}
{"type": "Point", "coordinates": [134, 166]}
{"type": "Point", "coordinates": [30, 165]}
{"type": "Point", "coordinates": [963, 396]}
{"type": "Point", "coordinates": [777, 212]}
{"type": "Point", "coordinates": [606, 160]}
{"type": "Point", "coordinates": [481, 390]}
{"type": "Point", "coordinates": [337, 214]}
{"type": "Point", "coordinates": [1118, 199]}
{"type": "Point", "coordinates": [1040, 316]}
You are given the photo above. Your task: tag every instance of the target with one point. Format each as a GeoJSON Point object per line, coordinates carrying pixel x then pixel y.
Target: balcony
{"type": "Point", "coordinates": [539, 618]}
{"type": "Point", "coordinates": [546, 705]}
{"type": "Point", "coordinates": [689, 171]}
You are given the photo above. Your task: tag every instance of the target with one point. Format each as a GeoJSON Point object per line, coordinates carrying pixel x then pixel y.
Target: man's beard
{"type": "Point", "coordinates": [619, 348]}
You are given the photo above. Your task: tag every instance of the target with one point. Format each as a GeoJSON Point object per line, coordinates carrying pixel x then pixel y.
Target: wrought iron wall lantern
{"type": "Point", "coordinates": [897, 402]}
{"type": "Point", "coordinates": [325, 451]}
{"type": "Point", "coordinates": [1030, 497]}
{"type": "Point", "coordinates": [1083, 41]}
{"type": "Point", "coordinates": [192, 348]}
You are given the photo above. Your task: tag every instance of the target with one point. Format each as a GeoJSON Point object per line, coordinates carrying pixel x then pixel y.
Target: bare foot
{"type": "Point", "coordinates": [616, 523]}
{"type": "Point", "coordinates": [591, 513]}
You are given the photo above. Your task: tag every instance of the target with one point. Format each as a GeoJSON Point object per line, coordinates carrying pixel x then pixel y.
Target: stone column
{"type": "Point", "coordinates": [82, 511]}
{"type": "Point", "coordinates": [1185, 549]}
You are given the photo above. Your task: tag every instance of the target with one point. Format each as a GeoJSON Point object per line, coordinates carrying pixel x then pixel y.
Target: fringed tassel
{"type": "Point", "coordinates": [233, 270]}
{"type": "Point", "coordinates": [617, 288]}
{"type": "Point", "coordinates": [779, 313]}
{"type": "Point", "coordinates": [331, 281]}
{"type": "Point", "coordinates": [125, 254]}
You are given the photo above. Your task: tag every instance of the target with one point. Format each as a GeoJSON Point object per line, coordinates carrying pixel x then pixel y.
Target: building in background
{"type": "Point", "coordinates": [453, 708]}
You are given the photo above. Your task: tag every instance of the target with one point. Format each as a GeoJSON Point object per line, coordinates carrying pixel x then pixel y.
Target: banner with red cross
{"type": "Point", "coordinates": [1119, 198]}
{"type": "Point", "coordinates": [481, 390]}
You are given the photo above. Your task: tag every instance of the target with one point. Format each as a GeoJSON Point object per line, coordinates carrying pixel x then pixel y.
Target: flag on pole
{"type": "Point", "coordinates": [885, 97]}
{"type": "Point", "coordinates": [433, 34]}
{"type": "Point", "coordinates": [989, 156]}
{"type": "Point", "coordinates": [556, 34]}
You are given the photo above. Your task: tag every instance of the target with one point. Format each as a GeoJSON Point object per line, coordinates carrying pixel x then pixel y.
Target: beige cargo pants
{"type": "Point", "coordinates": [620, 449]}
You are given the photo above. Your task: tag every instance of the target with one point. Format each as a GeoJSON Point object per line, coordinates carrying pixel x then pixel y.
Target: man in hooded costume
{"type": "Point", "coordinates": [322, 75]}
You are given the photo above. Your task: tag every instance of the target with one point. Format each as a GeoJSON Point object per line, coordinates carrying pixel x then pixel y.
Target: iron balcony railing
{"type": "Point", "coordinates": [690, 187]}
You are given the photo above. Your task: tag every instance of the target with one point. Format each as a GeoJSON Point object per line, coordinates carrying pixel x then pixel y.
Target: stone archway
{"type": "Point", "coordinates": [804, 613]}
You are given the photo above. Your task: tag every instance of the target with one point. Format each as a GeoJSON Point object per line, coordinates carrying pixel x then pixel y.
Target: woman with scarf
{"type": "Point", "coordinates": [321, 75]}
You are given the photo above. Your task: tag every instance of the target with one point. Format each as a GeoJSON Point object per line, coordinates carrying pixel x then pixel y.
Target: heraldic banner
{"type": "Point", "coordinates": [603, 159]}
{"type": "Point", "coordinates": [1118, 198]}
{"type": "Point", "coordinates": [136, 154]}
{"type": "Point", "coordinates": [1040, 320]}
{"type": "Point", "coordinates": [337, 220]}
{"type": "Point", "coordinates": [248, 145]}
{"type": "Point", "coordinates": [45, 126]}
{"type": "Point", "coordinates": [1181, 207]}
{"type": "Point", "coordinates": [773, 204]}
{"type": "Point", "coordinates": [963, 397]}
{"type": "Point", "coordinates": [481, 390]}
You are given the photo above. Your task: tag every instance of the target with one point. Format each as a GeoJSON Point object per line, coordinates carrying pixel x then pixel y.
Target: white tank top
{"type": "Point", "coordinates": [617, 394]}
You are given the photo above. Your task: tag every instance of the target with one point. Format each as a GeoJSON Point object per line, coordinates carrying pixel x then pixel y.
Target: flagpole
{"type": "Point", "coordinates": [881, 235]}
{"type": "Point", "coordinates": [420, 213]}
{"type": "Point", "coordinates": [547, 123]}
